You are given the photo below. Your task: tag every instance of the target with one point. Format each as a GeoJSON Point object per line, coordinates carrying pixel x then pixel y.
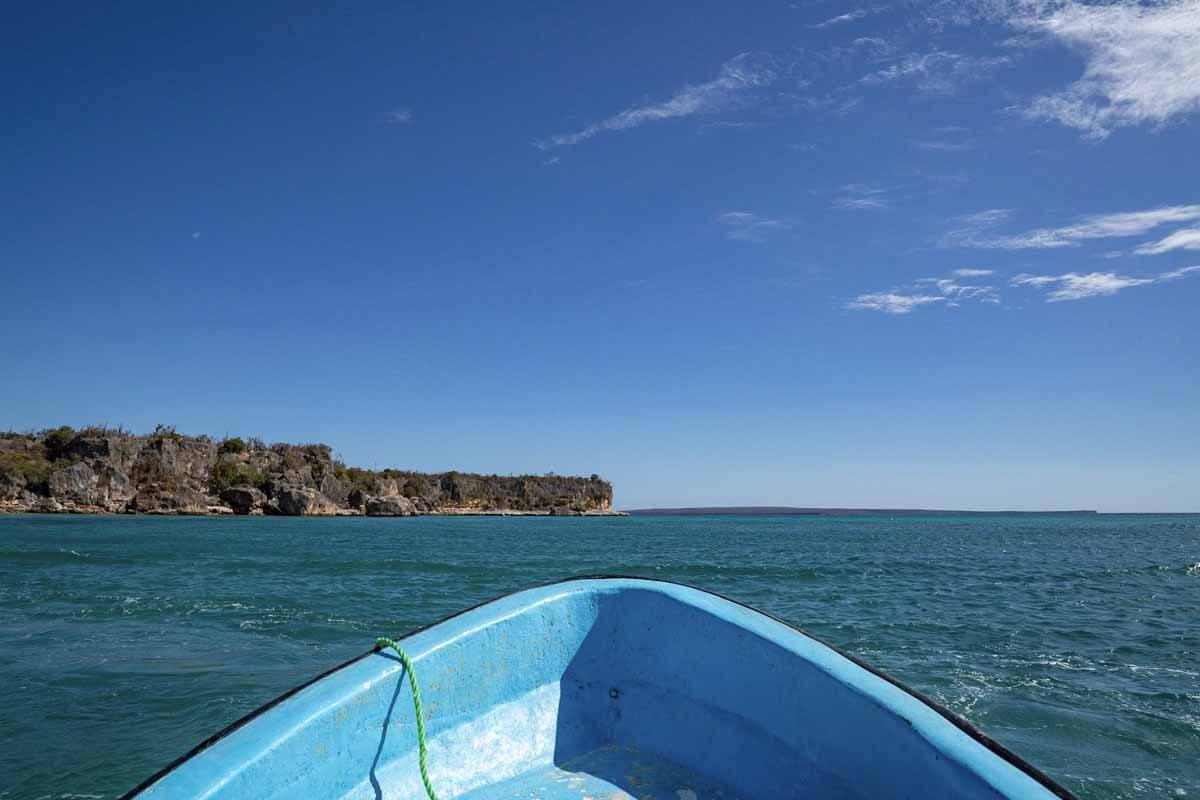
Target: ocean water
{"type": "Point", "coordinates": [124, 641]}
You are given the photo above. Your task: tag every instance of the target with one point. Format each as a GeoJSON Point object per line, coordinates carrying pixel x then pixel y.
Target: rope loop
{"type": "Point", "coordinates": [383, 643]}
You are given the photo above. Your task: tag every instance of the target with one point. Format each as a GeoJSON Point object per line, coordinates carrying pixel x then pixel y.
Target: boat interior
{"type": "Point", "coordinates": [605, 688]}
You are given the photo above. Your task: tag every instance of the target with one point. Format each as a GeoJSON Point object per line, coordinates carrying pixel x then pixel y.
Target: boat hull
{"type": "Point", "coordinates": [605, 687]}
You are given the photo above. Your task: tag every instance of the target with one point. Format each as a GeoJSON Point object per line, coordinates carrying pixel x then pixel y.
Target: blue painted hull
{"type": "Point", "coordinates": [605, 688]}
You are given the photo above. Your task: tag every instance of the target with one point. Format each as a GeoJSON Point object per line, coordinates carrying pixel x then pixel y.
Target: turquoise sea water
{"type": "Point", "coordinates": [124, 641]}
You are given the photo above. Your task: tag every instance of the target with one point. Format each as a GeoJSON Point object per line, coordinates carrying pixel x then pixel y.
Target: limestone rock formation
{"type": "Point", "coordinates": [300, 501]}
{"type": "Point", "coordinates": [113, 471]}
{"type": "Point", "coordinates": [244, 499]}
{"type": "Point", "coordinates": [391, 506]}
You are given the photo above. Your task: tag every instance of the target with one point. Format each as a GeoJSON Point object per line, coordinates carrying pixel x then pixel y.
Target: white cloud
{"type": "Point", "coordinates": [975, 229]}
{"type": "Point", "coordinates": [861, 196]}
{"type": "Point", "coordinates": [1186, 239]}
{"type": "Point", "coordinates": [852, 16]}
{"type": "Point", "coordinates": [842, 18]}
{"type": "Point", "coordinates": [937, 72]}
{"type": "Point", "coordinates": [1140, 62]}
{"type": "Point", "coordinates": [739, 74]}
{"type": "Point", "coordinates": [401, 116]}
{"type": "Point", "coordinates": [746, 227]}
{"type": "Point", "coordinates": [903, 300]}
{"type": "Point", "coordinates": [940, 145]}
{"type": "Point", "coordinates": [1176, 274]}
{"type": "Point", "coordinates": [890, 303]}
{"type": "Point", "coordinates": [1056, 288]}
{"type": "Point", "coordinates": [873, 46]}
{"type": "Point", "coordinates": [954, 291]}
{"type": "Point", "coordinates": [1077, 286]}
{"type": "Point", "coordinates": [972, 228]}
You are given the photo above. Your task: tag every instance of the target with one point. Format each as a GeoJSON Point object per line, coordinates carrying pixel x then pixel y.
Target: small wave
{"type": "Point", "coordinates": [1162, 670]}
{"type": "Point", "coordinates": [1194, 569]}
{"type": "Point", "coordinates": [59, 556]}
{"type": "Point", "coordinates": [1059, 663]}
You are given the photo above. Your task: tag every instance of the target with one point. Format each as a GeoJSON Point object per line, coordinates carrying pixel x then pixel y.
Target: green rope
{"type": "Point", "coordinates": [383, 643]}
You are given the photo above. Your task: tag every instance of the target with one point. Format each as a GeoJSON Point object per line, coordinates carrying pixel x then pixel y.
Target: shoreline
{"type": "Point", "coordinates": [112, 470]}
{"type": "Point", "coordinates": [13, 509]}
{"type": "Point", "coordinates": [16, 509]}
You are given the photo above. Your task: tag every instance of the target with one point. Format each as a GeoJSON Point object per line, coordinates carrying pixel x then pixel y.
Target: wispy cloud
{"type": "Point", "coordinates": [860, 196]}
{"type": "Point", "coordinates": [936, 72]}
{"type": "Point", "coordinates": [950, 291]}
{"type": "Point", "coordinates": [943, 146]}
{"type": "Point", "coordinates": [1077, 286]}
{"type": "Point", "coordinates": [841, 19]}
{"type": "Point", "coordinates": [870, 46]}
{"type": "Point", "coordinates": [1186, 239]}
{"type": "Point", "coordinates": [738, 75]}
{"type": "Point", "coordinates": [746, 227]}
{"type": "Point", "coordinates": [954, 291]}
{"type": "Point", "coordinates": [1140, 62]}
{"type": "Point", "coordinates": [401, 116]}
{"type": "Point", "coordinates": [976, 230]}
{"type": "Point", "coordinates": [852, 16]}
{"type": "Point", "coordinates": [890, 303]}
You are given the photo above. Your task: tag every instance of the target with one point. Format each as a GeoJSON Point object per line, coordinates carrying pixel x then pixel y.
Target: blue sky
{"type": "Point", "coordinates": [932, 254]}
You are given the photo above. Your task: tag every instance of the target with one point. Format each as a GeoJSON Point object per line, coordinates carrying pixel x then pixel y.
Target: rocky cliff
{"type": "Point", "coordinates": [102, 470]}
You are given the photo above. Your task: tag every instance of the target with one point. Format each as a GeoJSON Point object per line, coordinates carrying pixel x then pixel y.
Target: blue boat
{"type": "Point", "coordinates": [604, 688]}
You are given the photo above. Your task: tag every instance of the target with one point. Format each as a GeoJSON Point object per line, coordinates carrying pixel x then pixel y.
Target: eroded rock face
{"type": "Point", "coordinates": [77, 483]}
{"type": "Point", "coordinates": [565, 511]}
{"type": "Point", "coordinates": [107, 470]}
{"type": "Point", "coordinates": [393, 506]}
{"type": "Point", "coordinates": [95, 483]}
{"type": "Point", "coordinates": [179, 460]}
{"type": "Point", "coordinates": [12, 487]}
{"type": "Point", "coordinates": [356, 500]}
{"type": "Point", "coordinates": [244, 499]}
{"type": "Point", "coordinates": [159, 499]}
{"type": "Point", "coordinates": [300, 501]}
{"type": "Point", "coordinates": [334, 489]}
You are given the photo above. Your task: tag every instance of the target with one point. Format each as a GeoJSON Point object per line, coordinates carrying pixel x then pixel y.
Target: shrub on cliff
{"type": "Point", "coordinates": [225, 475]}
{"type": "Point", "coordinates": [234, 445]}
{"type": "Point", "coordinates": [363, 479]}
{"type": "Point", "coordinates": [57, 439]}
{"type": "Point", "coordinates": [416, 486]}
{"type": "Point", "coordinates": [31, 467]}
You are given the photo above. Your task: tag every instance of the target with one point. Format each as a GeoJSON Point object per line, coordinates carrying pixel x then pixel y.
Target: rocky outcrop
{"type": "Point", "coordinates": [244, 499]}
{"type": "Point", "coordinates": [102, 470]}
{"type": "Point", "coordinates": [95, 483]}
{"type": "Point", "coordinates": [300, 501]}
{"type": "Point", "coordinates": [565, 511]}
{"type": "Point", "coordinates": [391, 506]}
{"type": "Point", "coordinates": [156, 498]}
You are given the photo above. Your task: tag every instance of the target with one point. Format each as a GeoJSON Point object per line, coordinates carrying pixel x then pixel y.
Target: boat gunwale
{"type": "Point", "coordinates": [962, 724]}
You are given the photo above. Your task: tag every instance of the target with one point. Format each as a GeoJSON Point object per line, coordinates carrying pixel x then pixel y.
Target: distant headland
{"type": "Point", "coordinates": [101, 470]}
{"type": "Point", "coordinates": [835, 512]}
